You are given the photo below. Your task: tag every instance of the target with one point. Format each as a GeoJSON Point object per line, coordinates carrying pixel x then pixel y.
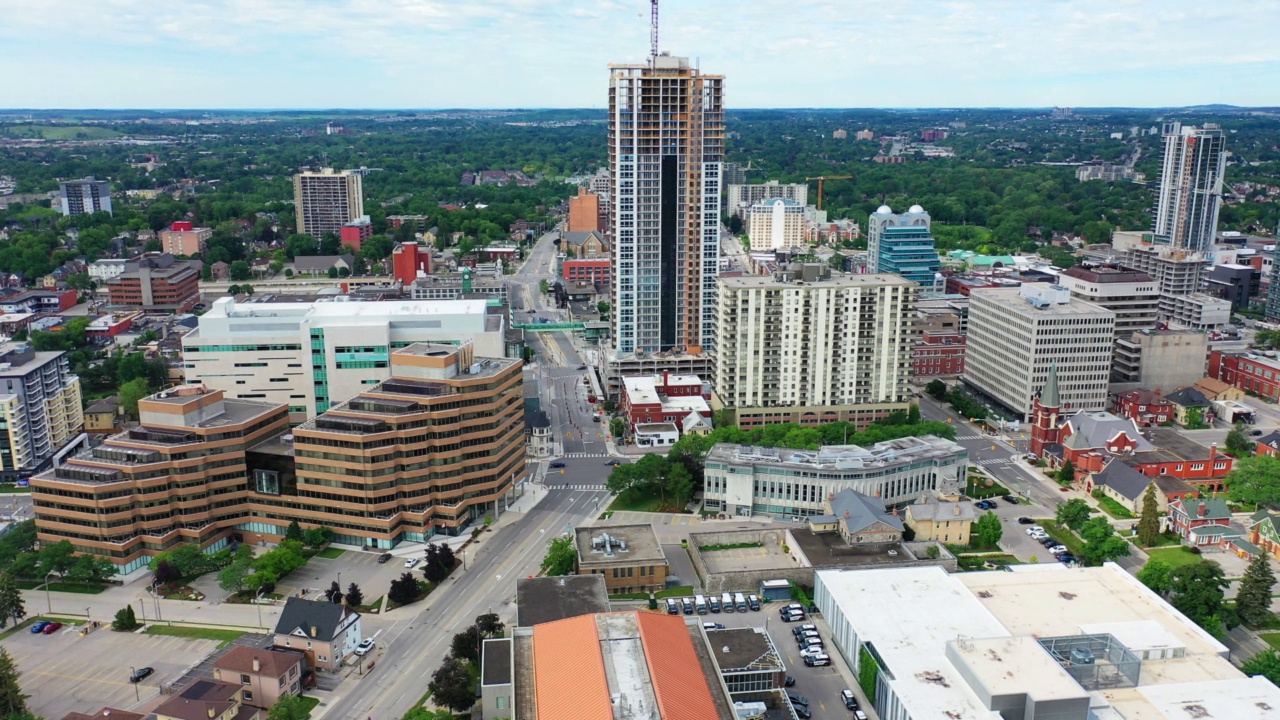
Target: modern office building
{"type": "Point", "coordinates": [666, 143]}
{"type": "Point", "coordinates": [903, 244]}
{"type": "Point", "coordinates": [40, 414]}
{"type": "Point", "coordinates": [183, 238]}
{"type": "Point", "coordinates": [775, 224]}
{"type": "Point", "coordinates": [1133, 296]}
{"type": "Point", "coordinates": [742, 196]}
{"type": "Point", "coordinates": [1195, 162]}
{"type": "Point", "coordinates": [312, 355]}
{"type": "Point", "coordinates": [742, 480]}
{"type": "Point", "coordinates": [326, 200]}
{"type": "Point", "coordinates": [1161, 359]}
{"type": "Point", "coordinates": [158, 282]}
{"type": "Point", "coordinates": [808, 345]}
{"type": "Point", "coordinates": [1038, 641]}
{"type": "Point", "coordinates": [434, 447]}
{"type": "Point", "coordinates": [1017, 334]}
{"type": "Point", "coordinates": [84, 197]}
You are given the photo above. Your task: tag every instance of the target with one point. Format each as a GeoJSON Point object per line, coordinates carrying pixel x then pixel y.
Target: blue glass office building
{"type": "Point", "coordinates": [903, 245]}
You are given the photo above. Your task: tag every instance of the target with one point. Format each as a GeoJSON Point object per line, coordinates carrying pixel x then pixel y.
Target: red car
{"type": "Point", "coordinates": [52, 628]}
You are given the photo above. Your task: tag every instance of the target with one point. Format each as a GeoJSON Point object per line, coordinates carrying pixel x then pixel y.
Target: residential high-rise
{"type": "Point", "coordinates": [40, 412]}
{"type": "Point", "coordinates": [742, 197]}
{"type": "Point", "coordinates": [327, 200]}
{"type": "Point", "coordinates": [1017, 334]}
{"type": "Point", "coordinates": [903, 245]}
{"type": "Point", "coordinates": [810, 346]}
{"type": "Point", "coordinates": [183, 238]}
{"type": "Point", "coordinates": [1195, 161]}
{"type": "Point", "coordinates": [666, 144]}
{"type": "Point", "coordinates": [775, 224]}
{"type": "Point", "coordinates": [83, 197]}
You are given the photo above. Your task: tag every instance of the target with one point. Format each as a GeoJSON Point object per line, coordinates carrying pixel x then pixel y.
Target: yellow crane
{"type": "Point", "coordinates": [823, 179]}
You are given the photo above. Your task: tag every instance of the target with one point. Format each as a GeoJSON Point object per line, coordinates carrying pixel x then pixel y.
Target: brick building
{"type": "Point", "coordinates": [938, 354]}
{"type": "Point", "coordinates": [410, 261]}
{"type": "Point", "coordinates": [664, 398]}
{"type": "Point", "coordinates": [584, 212]}
{"type": "Point", "coordinates": [183, 239]}
{"type": "Point", "coordinates": [628, 556]}
{"type": "Point", "coordinates": [1146, 407]}
{"type": "Point", "coordinates": [354, 233]}
{"type": "Point", "coordinates": [1248, 371]}
{"type": "Point", "coordinates": [157, 281]}
{"type": "Point", "coordinates": [592, 271]}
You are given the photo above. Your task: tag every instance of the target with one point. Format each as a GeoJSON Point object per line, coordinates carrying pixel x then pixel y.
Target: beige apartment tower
{"type": "Point", "coordinates": [810, 346]}
{"type": "Point", "coordinates": [326, 200]}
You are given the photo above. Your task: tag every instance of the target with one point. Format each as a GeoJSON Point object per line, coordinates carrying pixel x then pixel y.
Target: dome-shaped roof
{"type": "Point", "coordinates": [884, 210]}
{"type": "Point", "coordinates": [916, 209]}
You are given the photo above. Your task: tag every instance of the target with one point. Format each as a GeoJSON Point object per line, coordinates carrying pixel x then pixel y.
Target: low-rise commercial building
{"type": "Point", "coordinates": [664, 398]}
{"type": "Point", "coordinates": [627, 556]}
{"type": "Point", "coordinates": [1249, 371]}
{"type": "Point", "coordinates": [461, 285]}
{"type": "Point", "coordinates": [183, 238]}
{"type": "Point", "coordinates": [941, 521]}
{"type": "Point", "coordinates": [355, 232]}
{"type": "Point", "coordinates": [744, 480]}
{"type": "Point", "coordinates": [595, 272]}
{"type": "Point", "coordinates": [157, 282]}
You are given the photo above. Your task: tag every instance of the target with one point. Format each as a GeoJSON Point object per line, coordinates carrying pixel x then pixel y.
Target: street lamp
{"type": "Point", "coordinates": [47, 597]}
{"type": "Point", "coordinates": [133, 675]}
{"type": "Point", "coordinates": [142, 605]}
{"type": "Point", "coordinates": [258, 601]}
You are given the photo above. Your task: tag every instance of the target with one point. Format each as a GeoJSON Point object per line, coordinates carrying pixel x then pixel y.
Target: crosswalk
{"type": "Point", "coordinates": [994, 461]}
{"type": "Point", "coordinates": [971, 437]}
{"type": "Point", "coordinates": [588, 488]}
{"type": "Point", "coordinates": [584, 455]}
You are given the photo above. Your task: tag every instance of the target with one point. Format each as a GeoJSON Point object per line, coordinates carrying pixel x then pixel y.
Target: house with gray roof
{"type": "Point", "coordinates": [327, 632]}
{"type": "Point", "coordinates": [319, 264]}
{"type": "Point", "coordinates": [1185, 399]}
{"type": "Point", "coordinates": [858, 518]}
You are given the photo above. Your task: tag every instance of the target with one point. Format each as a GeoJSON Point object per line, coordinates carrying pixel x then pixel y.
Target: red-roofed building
{"type": "Point", "coordinates": [409, 260]}
{"type": "Point", "coordinates": [1146, 407]}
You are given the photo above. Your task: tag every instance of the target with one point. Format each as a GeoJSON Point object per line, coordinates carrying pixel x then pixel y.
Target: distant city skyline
{"type": "Point", "coordinates": [248, 54]}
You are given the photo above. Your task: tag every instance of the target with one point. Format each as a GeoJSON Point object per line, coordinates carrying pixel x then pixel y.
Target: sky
{"type": "Point", "coordinates": [555, 53]}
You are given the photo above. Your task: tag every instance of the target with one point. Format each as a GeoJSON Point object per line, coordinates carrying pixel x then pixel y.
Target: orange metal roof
{"type": "Point", "coordinates": [682, 690]}
{"type": "Point", "coordinates": [569, 672]}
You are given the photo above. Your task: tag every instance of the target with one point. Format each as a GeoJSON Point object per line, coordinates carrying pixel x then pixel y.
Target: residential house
{"type": "Point", "coordinates": [941, 521]}
{"type": "Point", "coordinates": [1264, 532]}
{"type": "Point", "coordinates": [1147, 407]}
{"type": "Point", "coordinates": [267, 674]}
{"type": "Point", "coordinates": [1268, 444]}
{"type": "Point", "coordinates": [321, 264]}
{"type": "Point", "coordinates": [220, 271]}
{"type": "Point", "coordinates": [1215, 390]}
{"type": "Point", "coordinates": [325, 632]}
{"type": "Point", "coordinates": [208, 700]}
{"type": "Point", "coordinates": [1186, 399]}
{"type": "Point", "coordinates": [695, 423]}
{"type": "Point", "coordinates": [1121, 482]}
{"type": "Point", "coordinates": [104, 417]}
{"type": "Point", "coordinates": [106, 712]}
{"type": "Point", "coordinates": [860, 519]}
{"type": "Point", "coordinates": [1201, 521]}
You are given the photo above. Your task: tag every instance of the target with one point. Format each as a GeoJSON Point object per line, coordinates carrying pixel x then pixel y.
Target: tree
{"type": "Point", "coordinates": [1196, 590]}
{"type": "Point", "coordinates": [1254, 480]}
{"type": "Point", "coordinates": [617, 428]}
{"type": "Point", "coordinates": [421, 713]}
{"type": "Point", "coordinates": [355, 598]}
{"type": "Point", "coordinates": [679, 484]}
{"type": "Point", "coordinates": [451, 685]}
{"type": "Point", "coordinates": [125, 620]}
{"type": "Point", "coordinates": [11, 606]}
{"type": "Point", "coordinates": [11, 697]}
{"type": "Point", "coordinates": [988, 530]}
{"type": "Point", "coordinates": [1149, 519]}
{"type": "Point", "coordinates": [490, 625]}
{"type": "Point", "coordinates": [1238, 442]}
{"type": "Point", "coordinates": [289, 707]}
{"type": "Point", "coordinates": [936, 389]}
{"type": "Point", "coordinates": [1157, 575]}
{"type": "Point", "coordinates": [334, 593]}
{"type": "Point", "coordinates": [602, 307]}
{"type": "Point", "coordinates": [404, 589]}
{"type": "Point", "coordinates": [131, 392]}
{"type": "Point", "coordinates": [1066, 473]}
{"type": "Point", "coordinates": [1253, 600]}
{"type": "Point", "coordinates": [1195, 419]}
{"type": "Point", "coordinates": [294, 531]}
{"type": "Point", "coordinates": [561, 557]}
{"type": "Point", "coordinates": [89, 568]}
{"type": "Point", "coordinates": [1101, 542]}
{"type": "Point", "coordinates": [57, 557]}
{"type": "Point", "coordinates": [447, 557]}
{"type": "Point", "coordinates": [466, 644]}
{"type": "Point", "coordinates": [235, 577]}
{"type": "Point", "coordinates": [1266, 664]}
{"type": "Point", "coordinates": [1072, 513]}
{"type": "Point", "coordinates": [434, 568]}
{"type": "Point", "coordinates": [239, 270]}
{"type": "Point", "coordinates": [317, 537]}
{"type": "Point", "coordinates": [166, 573]}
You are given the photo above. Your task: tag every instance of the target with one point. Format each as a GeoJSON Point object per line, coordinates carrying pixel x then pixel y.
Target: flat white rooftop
{"type": "Point", "coordinates": [1239, 699]}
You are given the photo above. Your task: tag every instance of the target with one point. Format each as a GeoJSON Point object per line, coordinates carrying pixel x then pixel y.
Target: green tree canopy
{"type": "Point", "coordinates": [1157, 575]}
{"type": "Point", "coordinates": [1253, 599]}
{"type": "Point", "coordinates": [1196, 590]}
{"type": "Point", "coordinates": [1073, 513]}
{"type": "Point", "coordinates": [987, 530]}
{"type": "Point", "coordinates": [1254, 480]}
{"type": "Point", "coordinates": [561, 557]}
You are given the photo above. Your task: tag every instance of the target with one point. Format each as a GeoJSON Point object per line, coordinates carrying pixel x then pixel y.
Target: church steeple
{"type": "Point", "coordinates": [1049, 394]}
{"type": "Point", "coordinates": [1044, 414]}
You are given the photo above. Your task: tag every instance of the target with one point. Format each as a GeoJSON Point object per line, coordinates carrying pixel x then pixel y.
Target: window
{"type": "Point", "coordinates": [244, 679]}
{"type": "Point", "coordinates": [248, 696]}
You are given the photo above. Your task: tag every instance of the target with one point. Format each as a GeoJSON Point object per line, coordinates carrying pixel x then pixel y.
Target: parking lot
{"type": "Point", "coordinates": [768, 557]}
{"type": "Point", "coordinates": [65, 672]}
{"type": "Point", "coordinates": [821, 685]}
{"type": "Point", "coordinates": [353, 566]}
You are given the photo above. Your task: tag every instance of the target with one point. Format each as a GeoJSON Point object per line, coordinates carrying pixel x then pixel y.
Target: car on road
{"type": "Point", "coordinates": [52, 628]}
{"type": "Point", "coordinates": [39, 627]}
{"type": "Point", "coordinates": [1026, 521]}
{"type": "Point", "coordinates": [582, 367]}
{"type": "Point", "coordinates": [365, 647]}
{"type": "Point", "coordinates": [383, 558]}
{"type": "Point", "coordinates": [556, 465]}
{"type": "Point", "coordinates": [1012, 500]}
{"type": "Point", "coordinates": [612, 462]}
{"type": "Point", "coordinates": [411, 563]}
{"type": "Point", "coordinates": [1255, 433]}
{"type": "Point", "coordinates": [140, 674]}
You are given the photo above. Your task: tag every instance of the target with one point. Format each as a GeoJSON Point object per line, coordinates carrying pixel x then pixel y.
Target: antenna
{"type": "Point", "coordinates": [653, 29]}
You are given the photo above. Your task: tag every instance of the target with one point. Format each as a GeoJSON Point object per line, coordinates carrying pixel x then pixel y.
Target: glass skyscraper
{"type": "Point", "coordinates": [903, 245]}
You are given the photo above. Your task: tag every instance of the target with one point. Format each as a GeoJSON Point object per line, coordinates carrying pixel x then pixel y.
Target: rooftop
{"type": "Point", "coordinates": [496, 661]}
{"type": "Point", "coordinates": [1172, 446]}
{"type": "Point", "coordinates": [201, 700]}
{"type": "Point", "coordinates": [613, 544]}
{"type": "Point", "coordinates": [546, 599]}
{"type": "Point", "coordinates": [841, 457]}
{"type": "Point", "coordinates": [1106, 274]}
{"type": "Point", "coordinates": [739, 649]}
{"type": "Point", "coordinates": [273, 662]}
{"type": "Point", "coordinates": [829, 550]}
{"type": "Point", "coordinates": [836, 280]}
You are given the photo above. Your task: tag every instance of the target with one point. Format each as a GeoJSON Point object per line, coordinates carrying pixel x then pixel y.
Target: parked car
{"type": "Point", "coordinates": [859, 715]}
{"type": "Point", "coordinates": [810, 652]}
{"type": "Point", "coordinates": [1046, 541]}
{"type": "Point", "coordinates": [556, 465]}
{"type": "Point", "coordinates": [1067, 559]}
{"type": "Point", "coordinates": [818, 660]}
{"type": "Point", "coordinates": [1011, 499]}
{"type": "Point", "coordinates": [846, 697]}
{"type": "Point", "coordinates": [1058, 549]}
{"type": "Point", "coordinates": [39, 627]}
{"type": "Point", "coordinates": [411, 563]}
{"type": "Point", "coordinates": [800, 630]}
{"type": "Point", "coordinates": [1026, 521]}
{"type": "Point", "coordinates": [52, 628]}
{"type": "Point", "coordinates": [802, 711]}
{"type": "Point", "coordinates": [1255, 433]}
{"type": "Point", "coordinates": [793, 617]}
{"type": "Point", "coordinates": [582, 367]}
{"type": "Point", "coordinates": [1034, 529]}
{"type": "Point", "coordinates": [789, 682]}
{"type": "Point", "coordinates": [789, 607]}
{"type": "Point", "coordinates": [797, 699]}
{"type": "Point", "coordinates": [141, 673]}
{"type": "Point", "coordinates": [383, 558]}
{"type": "Point", "coordinates": [364, 647]}
{"type": "Point", "coordinates": [753, 602]}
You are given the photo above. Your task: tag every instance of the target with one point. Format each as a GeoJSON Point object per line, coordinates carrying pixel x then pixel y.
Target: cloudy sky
{"type": "Point", "coordinates": [555, 53]}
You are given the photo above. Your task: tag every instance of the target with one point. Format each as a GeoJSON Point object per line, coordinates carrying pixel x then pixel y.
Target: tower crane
{"type": "Point", "coordinates": [822, 179]}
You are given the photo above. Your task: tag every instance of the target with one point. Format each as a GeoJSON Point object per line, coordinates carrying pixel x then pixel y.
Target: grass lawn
{"type": "Point", "coordinates": [309, 704]}
{"type": "Point", "coordinates": [682, 591]}
{"type": "Point", "coordinates": [1176, 557]}
{"type": "Point", "coordinates": [60, 132]}
{"type": "Point", "coordinates": [981, 488]}
{"type": "Point", "coordinates": [641, 502]}
{"type": "Point", "coordinates": [226, 636]}
{"type": "Point", "coordinates": [330, 553]}
{"type": "Point", "coordinates": [1113, 508]}
{"type": "Point", "coordinates": [732, 546]}
{"type": "Point", "coordinates": [1164, 540]}
{"type": "Point", "coordinates": [1272, 639]}
{"type": "Point", "coordinates": [979, 562]}
{"type": "Point", "coordinates": [13, 489]}
{"type": "Point", "coordinates": [1066, 537]}
{"type": "Point", "coordinates": [372, 606]}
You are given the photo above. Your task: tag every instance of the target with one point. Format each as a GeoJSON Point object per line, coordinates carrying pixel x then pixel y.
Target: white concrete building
{"type": "Point", "coordinates": [1133, 296]}
{"type": "Point", "coordinates": [742, 480]}
{"type": "Point", "coordinates": [742, 197]}
{"type": "Point", "coordinates": [1040, 642]}
{"type": "Point", "coordinates": [105, 269]}
{"type": "Point", "coordinates": [775, 224]}
{"type": "Point", "coordinates": [1017, 334]}
{"type": "Point", "coordinates": [311, 355]}
{"type": "Point", "coordinates": [84, 197]}
{"type": "Point", "coordinates": [1195, 161]}
{"type": "Point", "coordinates": [810, 346]}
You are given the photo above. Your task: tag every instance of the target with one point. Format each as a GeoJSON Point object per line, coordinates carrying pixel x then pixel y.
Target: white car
{"type": "Point", "coordinates": [365, 646]}
{"type": "Point", "coordinates": [811, 651]}
{"type": "Point", "coordinates": [1035, 530]}
{"type": "Point", "coordinates": [411, 562]}
{"type": "Point", "coordinates": [1056, 549]}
